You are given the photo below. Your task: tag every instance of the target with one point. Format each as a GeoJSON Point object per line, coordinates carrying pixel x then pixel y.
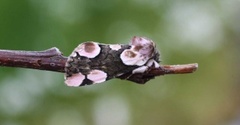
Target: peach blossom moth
{"type": "Point", "coordinates": [92, 62]}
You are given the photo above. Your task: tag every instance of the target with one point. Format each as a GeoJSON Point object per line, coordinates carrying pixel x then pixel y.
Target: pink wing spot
{"type": "Point", "coordinates": [88, 49]}
{"type": "Point", "coordinates": [75, 80]}
{"type": "Point", "coordinates": [130, 57]}
{"type": "Point", "coordinates": [115, 47]}
{"type": "Point", "coordinates": [97, 76]}
{"type": "Point", "coordinates": [129, 54]}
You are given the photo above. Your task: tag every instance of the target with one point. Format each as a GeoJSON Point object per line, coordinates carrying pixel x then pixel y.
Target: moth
{"type": "Point", "coordinates": [93, 63]}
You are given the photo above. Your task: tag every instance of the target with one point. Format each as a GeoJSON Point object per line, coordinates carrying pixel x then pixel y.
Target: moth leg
{"type": "Point", "coordinates": [141, 69]}
{"type": "Point", "coordinates": [153, 63]}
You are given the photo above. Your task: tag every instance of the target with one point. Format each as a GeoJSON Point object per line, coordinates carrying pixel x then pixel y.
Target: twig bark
{"type": "Point", "coordinates": [142, 78]}
{"type": "Point", "coordinates": [53, 60]}
{"type": "Point", "coordinates": [50, 59]}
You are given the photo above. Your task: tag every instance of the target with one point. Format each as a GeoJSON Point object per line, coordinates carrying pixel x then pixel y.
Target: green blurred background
{"type": "Point", "coordinates": [186, 31]}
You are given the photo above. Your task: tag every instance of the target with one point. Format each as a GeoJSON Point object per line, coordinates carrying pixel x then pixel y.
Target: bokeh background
{"type": "Point", "coordinates": [186, 31]}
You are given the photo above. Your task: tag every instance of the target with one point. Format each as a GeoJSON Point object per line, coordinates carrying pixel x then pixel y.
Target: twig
{"type": "Point", "coordinates": [52, 60]}
{"type": "Point", "coordinates": [142, 78]}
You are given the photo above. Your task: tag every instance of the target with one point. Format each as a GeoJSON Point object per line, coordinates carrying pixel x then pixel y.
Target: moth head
{"type": "Point", "coordinates": [141, 51]}
{"type": "Point", "coordinates": [143, 45]}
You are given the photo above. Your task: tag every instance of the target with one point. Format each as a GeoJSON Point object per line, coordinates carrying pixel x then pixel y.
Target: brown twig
{"type": "Point", "coordinates": [52, 60]}
{"type": "Point", "coordinates": [142, 78]}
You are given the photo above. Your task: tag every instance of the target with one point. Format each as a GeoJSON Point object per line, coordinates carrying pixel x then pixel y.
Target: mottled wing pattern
{"type": "Point", "coordinates": [92, 62]}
